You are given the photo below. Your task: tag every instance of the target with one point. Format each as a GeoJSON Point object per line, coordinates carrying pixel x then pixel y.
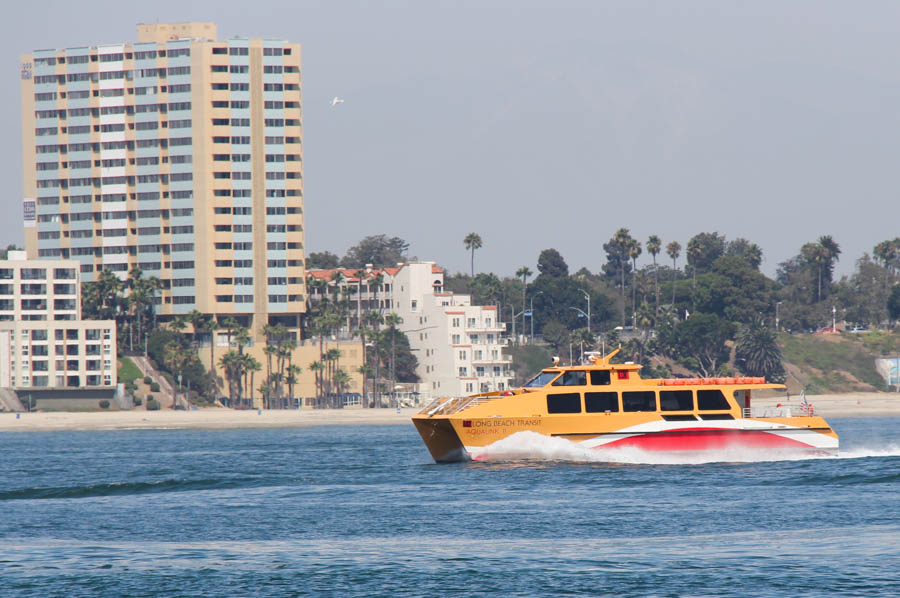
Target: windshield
{"type": "Point", "coordinates": [541, 379]}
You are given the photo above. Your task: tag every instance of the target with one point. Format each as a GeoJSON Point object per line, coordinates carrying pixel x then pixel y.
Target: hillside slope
{"type": "Point", "coordinates": [836, 363]}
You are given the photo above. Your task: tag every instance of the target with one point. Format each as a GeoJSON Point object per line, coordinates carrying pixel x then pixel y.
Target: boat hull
{"type": "Point", "coordinates": [452, 439]}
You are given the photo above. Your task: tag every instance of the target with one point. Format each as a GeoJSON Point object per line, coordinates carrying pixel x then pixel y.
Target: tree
{"type": "Point", "coordinates": [392, 320]}
{"type": "Point", "coordinates": [735, 291]}
{"type": "Point", "coordinates": [4, 253]}
{"type": "Point", "coordinates": [211, 325]}
{"type": "Point", "coordinates": [634, 251]}
{"type": "Point", "coordinates": [702, 250]}
{"type": "Point", "coordinates": [321, 260]}
{"type": "Point", "coordinates": [673, 249]}
{"type": "Point", "coordinates": [378, 250]}
{"type": "Point", "coordinates": [757, 352]}
{"type": "Point", "coordinates": [743, 248]}
{"type": "Point", "coordinates": [893, 303]}
{"type": "Point", "coordinates": [486, 289]}
{"type": "Point", "coordinates": [472, 242]}
{"type": "Point", "coordinates": [551, 264]}
{"type": "Point", "coordinates": [176, 358]}
{"type": "Point", "coordinates": [617, 257]}
{"type": "Point", "coordinates": [141, 293]}
{"type": "Point", "coordinates": [252, 365]}
{"type": "Point", "coordinates": [233, 365]}
{"type": "Point", "coordinates": [556, 334]}
{"type": "Point", "coordinates": [864, 295]}
{"type": "Point", "coordinates": [293, 375]}
{"type": "Point", "coordinates": [701, 338]}
{"type": "Point", "coordinates": [654, 245]}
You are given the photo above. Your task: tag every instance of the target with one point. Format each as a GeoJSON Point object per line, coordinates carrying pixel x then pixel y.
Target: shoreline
{"type": "Point", "coordinates": [850, 405]}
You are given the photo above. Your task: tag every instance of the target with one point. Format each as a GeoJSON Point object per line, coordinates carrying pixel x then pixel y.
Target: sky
{"type": "Point", "coordinates": [553, 124]}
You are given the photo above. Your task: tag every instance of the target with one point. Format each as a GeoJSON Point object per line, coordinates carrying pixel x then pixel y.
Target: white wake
{"type": "Point", "coordinates": [531, 446]}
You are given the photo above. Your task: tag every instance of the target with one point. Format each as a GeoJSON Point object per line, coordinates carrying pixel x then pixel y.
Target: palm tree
{"type": "Point", "coordinates": [375, 320]}
{"type": "Point", "coordinates": [523, 273]}
{"type": "Point", "coordinates": [293, 375]}
{"type": "Point", "coordinates": [366, 372]}
{"type": "Point", "coordinates": [253, 366]}
{"type": "Point", "coordinates": [674, 250]}
{"type": "Point", "coordinates": [197, 320]}
{"type": "Point", "coordinates": [211, 325]}
{"type": "Point", "coordinates": [341, 380]}
{"type": "Point", "coordinates": [830, 251]}
{"type": "Point", "coordinates": [472, 241]}
{"type": "Point", "coordinates": [634, 251]}
{"type": "Point", "coordinates": [242, 338]}
{"type": "Point", "coordinates": [175, 358]}
{"type": "Point", "coordinates": [332, 363]}
{"type": "Point", "coordinates": [393, 320]}
{"type": "Point", "coordinates": [270, 351]}
{"type": "Point", "coordinates": [622, 242]}
{"type": "Point", "coordinates": [230, 325]}
{"type": "Point", "coordinates": [178, 324]}
{"type": "Point", "coordinates": [316, 368]}
{"type": "Point", "coordinates": [654, 245]}
{"type": "Point", "coordinates": [233, 365]}
{"type": "Point", "coordinates": [757, 352]}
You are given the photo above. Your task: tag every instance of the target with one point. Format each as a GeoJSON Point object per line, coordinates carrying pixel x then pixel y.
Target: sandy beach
{"type": "Point", "coordinates": [847, 405]}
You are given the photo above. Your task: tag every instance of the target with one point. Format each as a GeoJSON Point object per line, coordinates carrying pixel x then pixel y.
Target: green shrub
{"type": "Point", "coordinates": [154, 387]}
{"type": "Point", "coordinates": [147, 380]}
{"type": "Point", "coordinates": [138, 401]}
{"type": "Point", "coordinates": [104, 404]}
{"type": "Point", "coordinates": [152, 404]}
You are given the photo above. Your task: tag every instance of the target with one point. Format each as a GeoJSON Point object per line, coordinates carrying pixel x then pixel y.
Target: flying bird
{"type": "Point", "coordinates": [336, 101]}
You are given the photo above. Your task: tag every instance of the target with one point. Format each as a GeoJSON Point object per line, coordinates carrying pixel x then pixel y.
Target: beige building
{"type": "Point", "coordinates": [44, 343]}
{"type": "Point", "coordinates": [179, 154]}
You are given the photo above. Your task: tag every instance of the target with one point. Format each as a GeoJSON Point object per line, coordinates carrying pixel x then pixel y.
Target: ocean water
{"type": "Point", "coordinates": [363, 511]}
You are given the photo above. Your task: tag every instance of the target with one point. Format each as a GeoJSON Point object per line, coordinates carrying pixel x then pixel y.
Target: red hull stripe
{"type": "Point", "coordinates": [693, 439]}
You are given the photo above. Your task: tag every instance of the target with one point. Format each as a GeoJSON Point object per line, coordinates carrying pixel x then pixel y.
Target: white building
{"type": "Point", "coordinates": [458, 345]}
{"type": "Point", "coordinates": [44, 343]}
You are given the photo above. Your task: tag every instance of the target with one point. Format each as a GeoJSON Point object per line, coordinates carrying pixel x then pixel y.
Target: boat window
{"type": "Point", "coordinates": [601, 402]}
{"type": "Point", "coordinates": [681, 417]}
{"type": "Point", "coordinates": [644, 400]}
{"type": "Point", "coordinates": [567, 402]}
{"type": "Point", "coordinates": [712, 400]}
{"type": "Point", "coordinates": [599, 377]}
{"type": "Point", "coordinates": [676, 400]}
{"type": "Point", "coordinates": [576, 378]}
{"type": "Point", "coordinates": [712, 416]}
{"type": "Point", "coordinates": [541, 379]}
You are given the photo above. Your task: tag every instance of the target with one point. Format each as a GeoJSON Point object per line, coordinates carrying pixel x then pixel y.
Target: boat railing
{"type": "Point", "coordinates": [780, 411]}
{"type": "Point", "coordinates": [451, 405]}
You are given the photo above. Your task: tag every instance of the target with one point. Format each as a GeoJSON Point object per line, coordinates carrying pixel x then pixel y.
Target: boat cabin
{"type": "Point", "coordinates": [604, 387]}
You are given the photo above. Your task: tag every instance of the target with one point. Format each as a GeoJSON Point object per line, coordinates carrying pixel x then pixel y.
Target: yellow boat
{"type": "Point", "coordinates": [608, 405]}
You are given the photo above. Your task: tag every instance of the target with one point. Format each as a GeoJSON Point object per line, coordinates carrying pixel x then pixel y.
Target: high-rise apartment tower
{"type": "Point", "coordinates": [178, 154]}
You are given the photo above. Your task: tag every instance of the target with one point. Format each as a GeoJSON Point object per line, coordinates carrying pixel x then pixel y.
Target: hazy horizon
{"type": "Point", "coordinates": [543, 125]}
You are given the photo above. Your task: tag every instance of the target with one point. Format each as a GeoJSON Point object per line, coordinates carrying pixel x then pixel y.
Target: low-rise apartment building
{"type": "Point", "coordinates": [459, 346]}
{"type": "Point", "coordinates": [44, 343]}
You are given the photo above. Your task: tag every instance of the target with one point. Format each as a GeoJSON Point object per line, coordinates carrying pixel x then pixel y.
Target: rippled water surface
{"type": "Point", "coordinates": [363, 511]}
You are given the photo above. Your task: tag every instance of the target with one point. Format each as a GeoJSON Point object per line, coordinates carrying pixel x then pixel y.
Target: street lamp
{"type": "Point", "coordinates": [512, 311]}
{"type": "Point", "coordinates": [588, 297]}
